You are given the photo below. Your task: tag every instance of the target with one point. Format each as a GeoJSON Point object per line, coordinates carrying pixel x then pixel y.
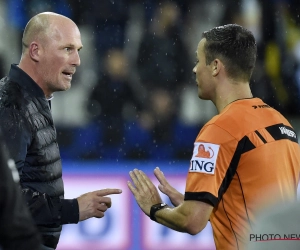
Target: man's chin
{"type": "Point", "coordinates": [63, 88]}
{"type": "Point", "coordinates": [66, 86]}
{"type": "Point", "coordinates": [203, 97]}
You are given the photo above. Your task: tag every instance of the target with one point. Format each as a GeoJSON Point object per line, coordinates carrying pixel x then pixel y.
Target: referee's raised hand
{"type": "Point", "coordinates": [175, 197]}
{"type": "Point", "coordinates": [144, 191]}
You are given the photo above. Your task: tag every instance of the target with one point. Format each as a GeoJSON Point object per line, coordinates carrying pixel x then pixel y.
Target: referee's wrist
{"type": "Point", "coordinates": [155, 208]}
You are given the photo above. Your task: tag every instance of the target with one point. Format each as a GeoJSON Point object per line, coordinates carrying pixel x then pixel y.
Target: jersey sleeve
{"type": "Point", "coordinates": [212, 166]}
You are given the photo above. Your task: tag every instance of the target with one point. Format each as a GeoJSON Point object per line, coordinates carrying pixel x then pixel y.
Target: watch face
{"type": "Point", "coordinates": [159, 205]}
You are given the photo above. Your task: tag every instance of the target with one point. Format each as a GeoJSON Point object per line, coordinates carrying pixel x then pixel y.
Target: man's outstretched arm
{"type": "Point", "coordinates": [190, 216]}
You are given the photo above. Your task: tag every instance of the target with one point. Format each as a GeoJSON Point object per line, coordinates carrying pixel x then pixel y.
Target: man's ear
{"type": "Point", "coordinates": [216, 67]}
{"type": "Point", "coordinates": [34, 51]}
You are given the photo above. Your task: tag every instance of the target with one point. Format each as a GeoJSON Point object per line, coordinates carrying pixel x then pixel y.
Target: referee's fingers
{"type": "Point", "coordinates": [131, 187]}
{"type": "Point", "coordinates": [160, 176]}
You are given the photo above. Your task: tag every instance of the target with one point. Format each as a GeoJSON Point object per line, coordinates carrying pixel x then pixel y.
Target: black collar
{"type": "Point", "coordinates": [25, 81]}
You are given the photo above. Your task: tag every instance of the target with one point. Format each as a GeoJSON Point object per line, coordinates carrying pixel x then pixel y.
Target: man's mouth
{"type": "Point", "coordinates": [68, 74]}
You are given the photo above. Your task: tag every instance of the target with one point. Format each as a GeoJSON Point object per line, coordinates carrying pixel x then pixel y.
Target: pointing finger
{"type": "Point", "coordinates": [108, 191]}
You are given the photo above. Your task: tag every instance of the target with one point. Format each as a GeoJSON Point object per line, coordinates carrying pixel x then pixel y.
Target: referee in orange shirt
{"type": "Point", "coordinates": [245, 158]}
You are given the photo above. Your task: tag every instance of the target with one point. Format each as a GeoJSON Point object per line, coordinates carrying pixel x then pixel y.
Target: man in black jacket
{"type": "Point", "coordinates": [50, 55]}
{"type": "Point", "coordinates": [17, 230]}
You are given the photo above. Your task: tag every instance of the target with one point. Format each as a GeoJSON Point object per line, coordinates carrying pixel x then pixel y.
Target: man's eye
{"type": "Point", "coordinates": [68, 49]}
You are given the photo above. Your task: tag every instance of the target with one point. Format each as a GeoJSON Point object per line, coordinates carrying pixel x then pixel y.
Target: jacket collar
{"type": "Point", "coordinates": [25, 81]}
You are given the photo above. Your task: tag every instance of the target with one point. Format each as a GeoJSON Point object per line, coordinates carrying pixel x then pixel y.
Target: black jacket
{"type": "Point", "coordinates": [17, 230]}
{"type": "Point", "coordinates": [28, 128]}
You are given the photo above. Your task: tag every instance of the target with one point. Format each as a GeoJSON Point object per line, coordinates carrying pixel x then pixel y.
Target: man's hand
{"type": "Point", "coordinates": [144, 191]}
{"type": "Point", "coordinates": [175, 197]}
{"type": "Point", "coordinates": [94, 204]}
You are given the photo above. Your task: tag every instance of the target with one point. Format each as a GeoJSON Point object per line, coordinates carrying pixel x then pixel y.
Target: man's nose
{"type": "Point", "coordinates": [76, 59]}
{"type": "Point", "coordinates": [194, 70]}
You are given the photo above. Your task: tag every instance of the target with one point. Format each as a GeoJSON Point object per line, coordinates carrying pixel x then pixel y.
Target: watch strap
{"type": "Point", "coordinates": [155, 208]}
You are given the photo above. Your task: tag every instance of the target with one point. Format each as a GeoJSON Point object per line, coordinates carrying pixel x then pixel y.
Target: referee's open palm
{"type": "Point", "coordinates": [144, 191]}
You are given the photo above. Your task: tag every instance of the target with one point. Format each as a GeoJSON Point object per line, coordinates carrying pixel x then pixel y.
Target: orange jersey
{"type": "Point", "coordinates": [243, 158]}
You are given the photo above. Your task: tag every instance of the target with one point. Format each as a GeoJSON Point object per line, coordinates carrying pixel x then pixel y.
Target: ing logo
{"type": "Point", "coordinates": [204, 158]}
{"type": "Point", "coordinates": [202, 153]}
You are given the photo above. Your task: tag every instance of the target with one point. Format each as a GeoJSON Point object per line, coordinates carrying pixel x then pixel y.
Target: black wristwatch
{"type": "Point", "coordinates": [155, 208]}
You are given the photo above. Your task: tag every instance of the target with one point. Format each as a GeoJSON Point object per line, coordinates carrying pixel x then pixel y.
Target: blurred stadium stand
{"type": "Point", "coordinates": [107, 25]}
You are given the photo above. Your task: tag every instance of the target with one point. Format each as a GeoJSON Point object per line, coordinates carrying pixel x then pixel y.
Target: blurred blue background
{"type": "Point", "coordinates": [134, 95]}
